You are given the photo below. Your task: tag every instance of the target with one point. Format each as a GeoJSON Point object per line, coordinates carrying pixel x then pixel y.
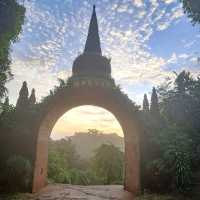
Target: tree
{"type": "Point", "coordinates": [178, 138]}
{"type": "Point", "coordinates": [32, 98]}
{"type": "Point", "coordinates": [179, 102]}
{"type": "Point", "coordinates": [192, 9]}
{"type": "Point", "coordinates": [183, 82]}
{"type": "Point", "coordinates": [108, 164]}
{"type": "Point", "coordinates": [17, 173]}
{"type": "Point", "coordinates": [63, 155]}
{"type": "Point", "coordinates": [64, 163]}
{"type": "Point", "coordinates": [150, 150]}
{"type": "Point", "coordinates": [11, 20]}
{"type": "Point", "coordinates": [154, 109]}
{"type": "Point", "coordinates": [145, 104]}
{"type": "Point", "coordinates": [23, 101]}
{"type": "Point", "coordinates": [175, 164]}
{"type": "Point", "coordinates": [6, 102]}
{"type": "Point", "coordinates": [6, 105]}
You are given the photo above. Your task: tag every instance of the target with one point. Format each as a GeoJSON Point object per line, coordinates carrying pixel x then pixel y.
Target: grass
{"type": "Point", "coordinates": [16, 197]}
{"type": "Point", "coordinates": [161, 197]}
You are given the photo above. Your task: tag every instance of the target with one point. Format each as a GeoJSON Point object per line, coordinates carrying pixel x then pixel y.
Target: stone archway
{"type": "Point", "coordinates": [108, 97]}
{"type": "Point", "coordinates": [91, 84]}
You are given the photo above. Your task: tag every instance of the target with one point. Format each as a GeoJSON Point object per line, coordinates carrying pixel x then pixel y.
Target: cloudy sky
{"type": "Point", "coordinates": [146, 39]}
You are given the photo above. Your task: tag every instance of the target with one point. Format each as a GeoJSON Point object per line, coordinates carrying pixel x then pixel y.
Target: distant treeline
{"type": "Point", "coordinates": [105, 166]}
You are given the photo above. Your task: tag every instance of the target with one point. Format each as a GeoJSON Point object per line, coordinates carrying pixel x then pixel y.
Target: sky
{"type": "Point", "coordinates": [146, 40]}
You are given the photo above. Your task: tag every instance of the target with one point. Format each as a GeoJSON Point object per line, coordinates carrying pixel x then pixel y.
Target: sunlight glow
{"type": "Point", "coordinates": [82, 118]}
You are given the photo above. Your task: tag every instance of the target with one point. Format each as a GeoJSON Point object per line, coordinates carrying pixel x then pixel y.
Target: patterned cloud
{"type": "Point", "coordinates": [55, 33]}
{"type": "Point", "coordinates": [146, 40]}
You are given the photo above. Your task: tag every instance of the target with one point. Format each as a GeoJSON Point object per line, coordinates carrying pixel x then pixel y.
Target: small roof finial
{"type": "Point", "coordinates": [94, 7]}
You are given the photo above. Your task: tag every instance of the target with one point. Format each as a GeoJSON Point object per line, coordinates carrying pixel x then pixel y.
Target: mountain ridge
{"type": "Point", "coordinates": [87, 142]}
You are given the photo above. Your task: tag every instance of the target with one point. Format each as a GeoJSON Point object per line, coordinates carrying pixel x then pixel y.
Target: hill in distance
{"type": "Point", "coordinates": [87, 142]}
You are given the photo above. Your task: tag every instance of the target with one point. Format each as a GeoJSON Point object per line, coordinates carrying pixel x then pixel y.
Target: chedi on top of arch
{"type": "Point", "coordinates": [91, 63]}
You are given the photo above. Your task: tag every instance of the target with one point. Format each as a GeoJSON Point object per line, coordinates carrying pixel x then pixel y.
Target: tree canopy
{"type": "Point", "coordinates": [192, 9]}
{"type": "Point", "coordinates": [170, 145]}
{"type": "Point", "coordinates": [32, 98]}
{"type": "Point", "coordinates": [108, 164]}
{"type": "Point", "coordinates": [11, 20]}
{"type": "Point", "coordinates": [66, 166]}
{"type": "Point", "coordinates": [145, 103]}
{"type": "Point", "coordinates": [154, 108]}
{"type": "Point", "coordinates": [22, 102]}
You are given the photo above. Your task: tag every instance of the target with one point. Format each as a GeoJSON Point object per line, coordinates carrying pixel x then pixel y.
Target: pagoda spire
{"type": "Point", "coordinates": [93, 45]}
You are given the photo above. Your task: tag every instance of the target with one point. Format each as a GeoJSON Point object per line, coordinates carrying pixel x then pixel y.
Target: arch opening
{"type": "Point", "coordinates": [86, 147]}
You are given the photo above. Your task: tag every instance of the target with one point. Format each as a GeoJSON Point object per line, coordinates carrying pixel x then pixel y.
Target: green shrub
{"type": "Point", "coordinates": [173, 169]}
{"type": "Point", "coordinates": [18, 173]}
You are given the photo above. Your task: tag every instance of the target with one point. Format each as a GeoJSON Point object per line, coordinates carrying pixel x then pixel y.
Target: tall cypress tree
{"type": "Point", "coordinates": [154, 109]}
{"type": "Point", "coordinates": [22, 102]}
{"type": "Point", "coordinates": [6, 102]}
{"type": "Point", "coordinates": [32, 98]}
{"type": "Point", "coordinates": [145, 103]}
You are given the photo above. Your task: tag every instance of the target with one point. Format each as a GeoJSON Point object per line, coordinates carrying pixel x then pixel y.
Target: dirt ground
{"type": "Point", "coordinates": [73, 192]}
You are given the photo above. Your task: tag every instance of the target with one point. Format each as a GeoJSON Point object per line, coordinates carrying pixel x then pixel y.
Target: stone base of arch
{"type": "Point", "coordinates": [86, 93]}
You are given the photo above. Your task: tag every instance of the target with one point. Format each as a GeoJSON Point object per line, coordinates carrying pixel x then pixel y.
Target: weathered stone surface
{"type": "Point", "coordinates": [75, 192]}
{"type": "Point", "coordinates": [107, 98]}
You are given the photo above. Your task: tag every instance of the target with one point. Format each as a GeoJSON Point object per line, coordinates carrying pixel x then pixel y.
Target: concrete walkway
{"type": "Point", "coordinates": [73, 192]}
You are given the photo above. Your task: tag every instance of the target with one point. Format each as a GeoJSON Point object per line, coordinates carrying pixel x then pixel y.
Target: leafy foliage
{"type": "Point", "coordinates": [16, 138]}
{"type": "Point", "coordinates": [65, 165]}
{"type": "Point", "coordinates": [170, 156]}
{"type": "Point", "coordinates": [108, 164]}
{"type": "Point", "coordinates": [175, 161]}
{"type": "Point", "coordinates": [192, 9]}
{"type": "Point", "coordinates": [62, 157]}
{"type": "Point", "coordinates": [11, 20]}
{"type": "Point", "coordinates": [17, 173]}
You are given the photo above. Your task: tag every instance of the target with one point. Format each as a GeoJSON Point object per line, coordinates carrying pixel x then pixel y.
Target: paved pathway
{"type": "Point", "coordinates": [72, 192]}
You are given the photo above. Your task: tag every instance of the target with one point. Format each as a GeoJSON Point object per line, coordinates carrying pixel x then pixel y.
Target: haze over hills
{"type": "Point", "coordinates": [87, 142]}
